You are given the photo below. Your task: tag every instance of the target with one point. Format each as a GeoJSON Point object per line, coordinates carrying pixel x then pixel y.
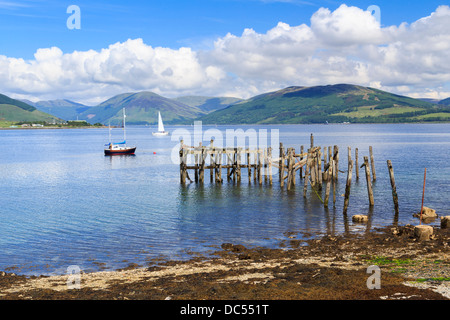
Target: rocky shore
{"type": "Point", "coordinates": [328, 268]}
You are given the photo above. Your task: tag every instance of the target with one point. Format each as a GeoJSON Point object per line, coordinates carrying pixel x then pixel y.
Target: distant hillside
{"type": "Point", "coordinates": [445, 102]}
{"type": "Point", "coordinates": [331, 103]}
{"type": "Point", "coordinates": [141, 108]}
{"type": "Point", "coordinates": [208, 104]}
{"type": "Point", "coordinates": [64, 109]}
{"type": "Point", "coordinates": [18, 111]}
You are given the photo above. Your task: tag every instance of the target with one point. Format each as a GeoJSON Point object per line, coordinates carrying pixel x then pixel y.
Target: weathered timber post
{"type": "Point", "coordinates": [356, 164]}
{"type": "Point", "coordinates": [305, 187]}
{"type": "Point", "coordinates": [269, 154]}
{"type": "Point", "coordinates": [265, 165]}
{"type": "Point", "coordinates": [336, 162]}
{"type": "Point", "coordinates": [394, 188]}
{"type": "Point", "coordinates": [211, 160]}
{"type": "Point", "coordinates": [327, 190]}
{"type": "Point", "coordinates": [325, 162]}
{"type": "Point", "coordinates": [372, 164]}
{"type": "Point", "coordinates": [348, 186]}
{"type": "Point", "coordinates": [220, 165]}
{"type": "Point", "coordinates": [196, 165]}
{"type": "Point", "coordinates": [319, 168]}
{"type": "Point", "coordinates": [301, 158]}
{"type": "Point", "coordinates": [280, 163]}
{"type": "Point", "coordinates": [182, 164]}
{"type": "Point", "coordinates": [238, 164]}
{"type": "Point", "coordinates": [202, 164]}
{"type": "Point", "coordinates": [260, 166]}
{"type": "Point", "coordinates": [369, 183]}
{"type": "Point", "coordinates": [334, 181]}
{"type": "Point", "coordinates": [312, 140]}
{"type": "Point", "coordinates": [289, 171]}
{"type": "Point", "coordinates": [249, 166]}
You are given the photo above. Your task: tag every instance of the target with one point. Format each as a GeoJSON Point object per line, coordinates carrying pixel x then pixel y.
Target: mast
{"type": "Point", "coordinates": [124, 130]}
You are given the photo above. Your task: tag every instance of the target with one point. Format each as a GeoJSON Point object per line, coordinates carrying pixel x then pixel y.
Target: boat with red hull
{"type": "Point", "coordinates": [119, 148]}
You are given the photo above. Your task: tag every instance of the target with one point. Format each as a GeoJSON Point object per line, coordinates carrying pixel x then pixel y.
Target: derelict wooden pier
{"type": "Point", "coordinates": [315, 168]}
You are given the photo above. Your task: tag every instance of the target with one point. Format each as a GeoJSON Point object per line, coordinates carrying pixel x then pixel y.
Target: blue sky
{"type": "Point", "coordinates": [220, 47]}
{"type": "Point", "coordinates": [27, 25]}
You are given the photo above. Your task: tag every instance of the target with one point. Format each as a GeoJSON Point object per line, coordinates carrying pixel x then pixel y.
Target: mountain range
{"type": "Point", "coordinates": [317, 104]}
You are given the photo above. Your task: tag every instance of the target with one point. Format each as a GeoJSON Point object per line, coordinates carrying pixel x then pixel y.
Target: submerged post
{"type": "Point", "coordinates": [348, 186]}
{"type": "Point", "coordinates": [374, 176]}
{"type": "Point", "coordinates": [356, 164]}
{"type": "Point", "coordinates": [369, 183]}
{"type": "Point", "coordinates": [394, 188]}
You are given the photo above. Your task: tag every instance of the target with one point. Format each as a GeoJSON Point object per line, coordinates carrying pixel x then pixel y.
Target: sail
{"type": "Point", "coordinates": [160, 123]}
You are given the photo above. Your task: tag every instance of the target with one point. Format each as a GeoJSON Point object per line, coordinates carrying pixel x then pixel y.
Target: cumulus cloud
{"type": "Point", "coordinates": [347, 45]}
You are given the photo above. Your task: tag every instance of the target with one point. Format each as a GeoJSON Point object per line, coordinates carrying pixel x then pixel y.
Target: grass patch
{"type": "Point", "coordinates": [385, 261]}
{"type": "Point", "coordinates": [371, 111]}
{"type": "Point", "coordinates": [420, 280]}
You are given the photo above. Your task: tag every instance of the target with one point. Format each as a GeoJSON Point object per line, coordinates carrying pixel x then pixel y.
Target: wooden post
{"type": "Point", "coordinates": [196, 165]}
{"type": "Point", "coordinates": [238, 164]}
{"type": "Point", "coordinates": [211, 160]}
{"type": "Point", "coordinates": [290, 165]}
{"type": "Point", "coordinates": [334, 181]}
{"type": "Point", "coordinates": [356, 164]}
{"type": "Point", "coordinates": [348, 186]}
{"type": "Point", "coordinates": [202, 165]}
{"type": "Point", "coordinates": [282, 165]}
{"type": "Point", "coordinates": [182, 164]}
{"type": "Point", "coordinates": [259, 167]}
{"type": "Point", "coordinates": [265, 165]}
{"type": "Point", "coordinates": [249, 166]}
{"type": "Point", "coordinates": [336, 162]}
{"type": "Point", "coordinates": [301, 158]}
{"type": "Point", "coordinates": [325, 162]}
{"type": "Point", "coordinates": [369, 183]}
{"type": "Point", "coordinates": [269, 155]}
{"type": "Point", "coordinates": [327, 191]}
{"type": "Point", "coordinates": [312, 140]}
{"type": "Point", "coordinates": [394, 188]}
{"type": "Point", "coordinates": [319, 168]}
{"type": "Point", "coordinates": [305, 187]}
{"type": "Point", "coordinates": [372, 164]}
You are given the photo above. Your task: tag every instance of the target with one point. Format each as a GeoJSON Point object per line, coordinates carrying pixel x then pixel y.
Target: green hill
{"type": "Point", "coordinates": [141, 108]}
{"type": "Point", "coordinates": [13, 110]}
{"type": "Point", "coordinates": [331, 103]}
{"type": "Point", "coordinates": [445, 102]}
{"type": "Point", "coordinates": [207, 104]}
{"type": "Point", "coordinates": [64, 109]}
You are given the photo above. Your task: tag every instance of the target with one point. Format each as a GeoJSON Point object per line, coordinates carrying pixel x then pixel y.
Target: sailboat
{"type": "Point", "coordinates": [161, 131]}
{"type": "Point", "coordinates": [119, 148]}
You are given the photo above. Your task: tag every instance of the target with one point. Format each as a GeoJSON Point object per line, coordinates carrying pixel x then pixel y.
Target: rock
{"type": "Point", "coordinates": [360, 218]}
{"type": "Point", "coordinates": [423, 232]}
{"type": "Point", "coordinates": [427, 213]}
{"type": "Point", "coordinates": [445, 222]}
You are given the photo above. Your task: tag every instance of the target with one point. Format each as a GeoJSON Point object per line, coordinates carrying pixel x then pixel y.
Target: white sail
{"type": "Point", "coordinates": [160, 123]}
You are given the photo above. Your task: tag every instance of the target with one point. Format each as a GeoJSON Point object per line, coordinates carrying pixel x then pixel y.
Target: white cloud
{"type": "Point", "coordinates": [347, 45]}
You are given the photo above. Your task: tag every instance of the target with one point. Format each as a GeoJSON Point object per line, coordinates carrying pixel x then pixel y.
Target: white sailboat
{"type": "Point", "coordinates": [161, 131]}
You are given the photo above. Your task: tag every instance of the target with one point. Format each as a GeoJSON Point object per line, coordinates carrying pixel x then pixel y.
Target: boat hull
{"type": "Point", "coordinates": [160, 134]}
{"type": "Point", "coordinates": [129, 151]}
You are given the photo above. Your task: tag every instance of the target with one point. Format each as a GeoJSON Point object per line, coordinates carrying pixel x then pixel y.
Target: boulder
{"type": "Point", "coordinates": [427, 213]}
{"type": "Point", "coordinates": [423, 232]}
{"type": "Point", "coordinates": [445, 222]}
{"type": "Point", "coordinates": [360, 218]}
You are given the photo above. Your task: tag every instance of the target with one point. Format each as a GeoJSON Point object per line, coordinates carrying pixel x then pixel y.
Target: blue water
{"type": "Point", "coordinates": [64, 203]}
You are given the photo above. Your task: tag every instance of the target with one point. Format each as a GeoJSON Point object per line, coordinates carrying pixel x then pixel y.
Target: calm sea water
{"type": "Point", "coordinates": [64, 203]}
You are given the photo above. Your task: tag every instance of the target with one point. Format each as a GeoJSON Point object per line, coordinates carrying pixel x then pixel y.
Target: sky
{"type": "Point", "coordinates": [237, 48]}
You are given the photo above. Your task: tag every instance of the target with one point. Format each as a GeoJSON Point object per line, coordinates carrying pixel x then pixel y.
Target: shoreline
{"type": "Point", "coordinates": [326, 268]}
